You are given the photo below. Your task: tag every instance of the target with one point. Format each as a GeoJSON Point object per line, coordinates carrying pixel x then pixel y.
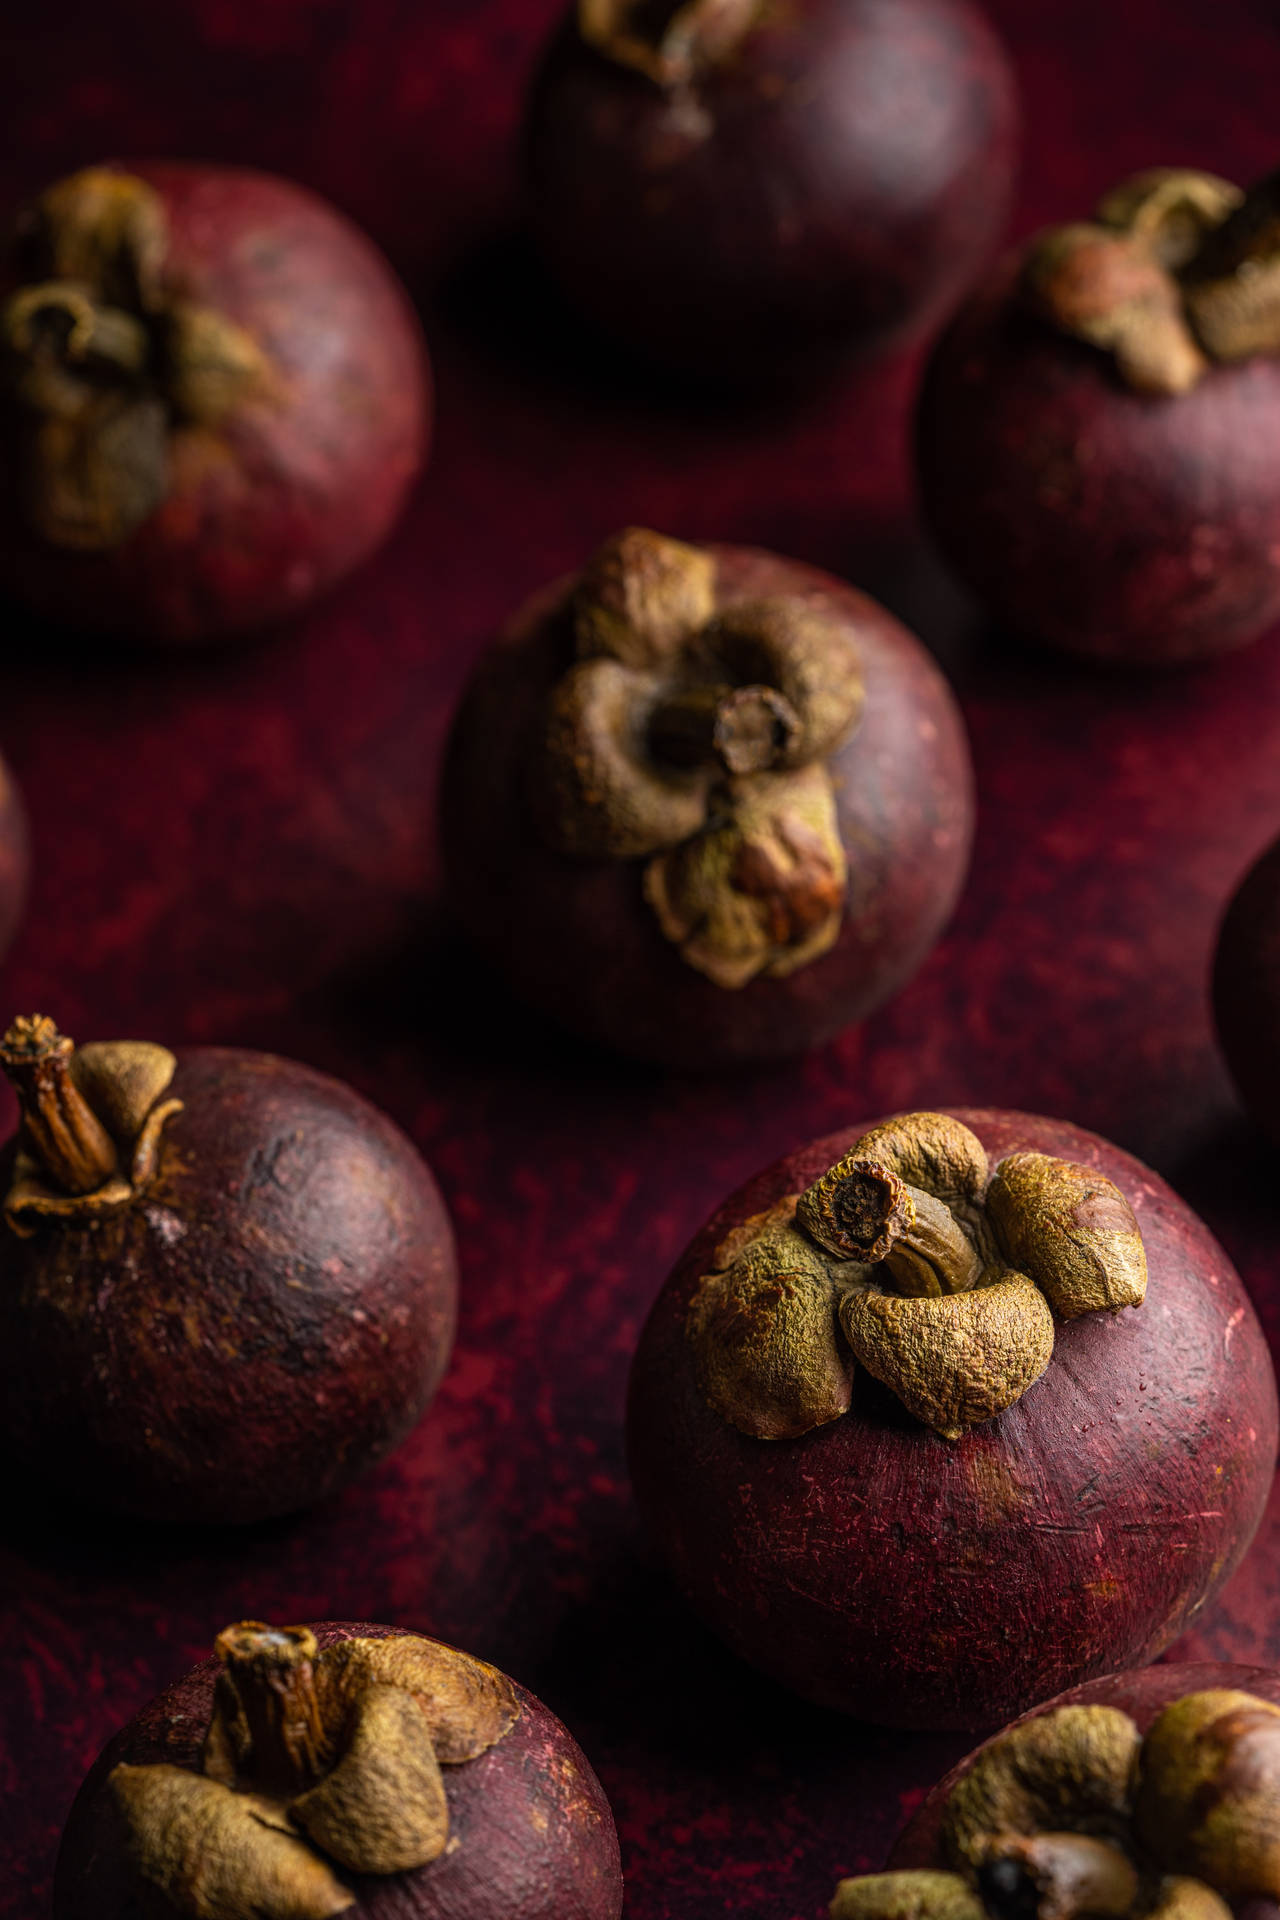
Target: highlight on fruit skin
{"type": "Point", "coordinates": [1151, 1793]}
{"type": "Point", "coordinates": [704, 803]}
{"type": "Point", "coordinates": [214, 397]}
{"type": "Point", "coordinates": [1097, 431]}
{"type": "Point", "coordinates": [229, 1284]}
{"type": "Point", "coordinates": [751, 194]}
{"type": "Point", "coordinates": [312, 1771]}
{"type": "Point", "coordinates": [882, 1385]}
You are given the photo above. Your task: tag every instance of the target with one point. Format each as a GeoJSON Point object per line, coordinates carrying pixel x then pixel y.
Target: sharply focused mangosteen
{"type": "Point", "coordinates": [937, 1415]}
{"type": "Point", "coordinates": [1154, 1793]}
{"type": "Point", "coordinates": [704, 804]}
{"type": "Point", "coordinates": [228, 1282]}
{"type": "Point", "coordinates": [1099, 431]}
{"type": "Point", "coordinates": [1246, 988]}
{"type": "Point", "coordinates": [746, 190]}
{"type": "Point", "coordinates": [340, 1769]}
{"type": "Point", "coordinates": [214, 396]}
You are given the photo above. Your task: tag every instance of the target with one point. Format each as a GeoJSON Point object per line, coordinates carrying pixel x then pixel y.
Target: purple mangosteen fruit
{"type": "Point", "coordinates": [340, 1769]}
{"type": "Point", "coordinates": [229, 1283]}
{"type": "Point", "coordinates": [704, 804]}
{"type": "Point", "coordinates": [747, 191]}
{"type": "Point", "coordinates": [1099, 430]}
{"type": "Point", "coordinates": [939, 1415]}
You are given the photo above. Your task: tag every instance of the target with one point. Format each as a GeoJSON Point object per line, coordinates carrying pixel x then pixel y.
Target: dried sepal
{"type": "Point", "coordinates": [381, 1808]}
{"type": "Point", "coordinates": [1232, 286]}
{"type": "Point", "coordinates": [767, 1349]}
{"type": "Point", "coordinates": [468, 1705]}
{"type": "Point", "coordinates": [1179, 1897]}
{"type": "Point", "coordinates": [691, 36]}
{"type": "Point", "coordinates": [1072, 1230]}
{"type": "Point", "coordinates": [807, 650]}
{"type": "Point", "coordinates": [214, 364]}
{"type": "Point", "coordinates": [761, 889]}
{"type": "Point", "coordinates": [930, 1151]}
{"type": "Point", "coordinates": [912, 1894]}
{"type": "Point", "coordinates": [216, 1855]}
{"type": "Point", "coordinates": [1110, 290]}
{"type": "Point", "coordinates": [1208, 1793]}
{"type": "Point", "coordinates": [1071, 1768]}
{"type": "Point", "coordinates": [104, 229]}
{"type": "Point", "coordinates": [598, 793]}
{"type": "Point", "coordinates": [640, 597]}
{"type": "Point", "coordinates": [1059, 1875]}
{"type": "Point", "coordinates": [122, 1080]}
{"type": "Point", "coordinates": [1171, 208]}
{"type": "Point", "coordinates": [956, 1360]}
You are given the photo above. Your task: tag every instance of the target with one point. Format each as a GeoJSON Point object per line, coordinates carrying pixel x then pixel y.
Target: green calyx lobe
{"type": "Point", "coordinates": [1177, 272]}
{"type": "Point", "coordinates": [1073, 1812]}
{"type": "Point", "coordinates": [693, 736]}
{"type": "Point", "coordinates": [101, 361]}
{"type": "Point", "coordinates": [915, 1260]}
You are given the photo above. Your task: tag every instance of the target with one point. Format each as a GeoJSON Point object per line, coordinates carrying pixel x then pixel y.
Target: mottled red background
{"type": "Point", "coordinates": [239, 848]}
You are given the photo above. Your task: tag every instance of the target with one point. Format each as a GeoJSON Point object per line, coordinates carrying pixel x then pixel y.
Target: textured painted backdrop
{"type": "Point", "coordinates": [239, 848]}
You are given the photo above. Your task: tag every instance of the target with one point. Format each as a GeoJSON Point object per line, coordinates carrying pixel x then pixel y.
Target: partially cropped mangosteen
{"type": "Point", "coordinates": [745, 189]}
{"type": "Point", "coordinates": [214, 396]}
{"type": "Point", "coordinates": [937, 1415]}
{"type": "Point", "coordinates": [1246, 988]}
{"type": "Point", "coordinates": [1153, 1794]}
{"type": "Point", "coordinates": [705, 804]}
{"type": "Point", "coordinates": [347, 1769]}
{"type": "Point", "coordinates": [228, 1282]}
{"type": "Point", "coordinates": [1099, 431]}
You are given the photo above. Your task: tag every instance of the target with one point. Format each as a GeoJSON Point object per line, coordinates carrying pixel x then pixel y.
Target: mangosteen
{"type": "Point", "coordinates": [229, 1283]}
{"type": "Point", "coordinates": [749, 191]}
{"type": "Point", "coordinates": [214, 397]}
{"type": "Point", "coordinates": [1154, 1793]}
{"type": "Point", "coordinates": [1246, 988]}
{"type": "Point", "coordinates": [1099, 431]}
{"type": "Point", "coordinates": [705, 804]}
{"type": "Point", "coordinates": [937, 1415]}
{"type": "Point", "coordinates": [309, 1771]}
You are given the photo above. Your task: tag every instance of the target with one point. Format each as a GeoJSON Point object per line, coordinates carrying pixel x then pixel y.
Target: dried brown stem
{"type": "Point", "coordinates": [740, 729]}
{"type": "Point", "coordinates": [60, 1128]}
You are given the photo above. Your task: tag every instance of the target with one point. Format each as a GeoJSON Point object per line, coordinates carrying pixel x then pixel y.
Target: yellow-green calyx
{"type": "Point", "coordinates": [671, 41]}
{"type": "Point", "coordinates": [101, 360]}
{"type": "Point", "coordinates": [1178, 271]}
{"type": "Point", "coordinates": [915, 1260]}
{"type": "Point", "coordinates": [92, 1119]}
{"type": "Point", "coordinates": [315, 1761]}
{"type": "Point", "coordinates": [693, 737]}
{"type": "Point", "coordinates": [1074, 1813]}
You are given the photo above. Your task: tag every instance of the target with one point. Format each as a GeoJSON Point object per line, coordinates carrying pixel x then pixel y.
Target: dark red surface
{"type": "Point", "coordinates": [922, 1582]}
{"type": "Point", "coordinates": [237, 848]}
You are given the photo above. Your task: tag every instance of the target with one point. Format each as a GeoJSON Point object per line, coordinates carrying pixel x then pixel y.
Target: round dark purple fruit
{"type": "Point", "coordinates": [705, 804]}
{"type": "Point", "coordinates": [1151, 1793]}
{"type": "Point", "coordinates": [310, 1771]}
{"type": "Point", "coordinates": [214, 397]}
{"type": "Point", "coordinates": [1099, 430]}
{"type": "Point", "coordinates": [1246, 988]}
{"type": "Point", "coordinates": [938, 1416]}
{"type": "Point", "coordinates": [229, 1283]}
{"type": "Point", "coordinates": [747, 191]}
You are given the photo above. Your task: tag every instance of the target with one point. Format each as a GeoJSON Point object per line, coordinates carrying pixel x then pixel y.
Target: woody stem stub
{"type": "Point", "coordinates": [59, 1127]}
{"type": "Point", "coordinates": [669, 40]}
{"type": "Point", "coordinates": [741, 729]}
{"type": "Point", "coordinates": [272, 1674]}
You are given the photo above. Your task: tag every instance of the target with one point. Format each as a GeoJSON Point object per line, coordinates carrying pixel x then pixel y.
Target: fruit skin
{"type": "Point", "coordinates": [268, 511]}
{"type": "Point", "coordinates": [1124, 526]}
{"type": "Point", "coordinates": [14, 857]}
{"type": "Point", "coordinates": [919, 1582]}
{"type": "Point", "coordinates": [1142, 1694]}
{"type": "Point", "coordinates": [268, 1318]}
{"type": "Point", "coordinates": [578, 941]}
{"type": "Point", "coordinates": [535, 1835]}
{"type": "Point", "coordinates": [1246, 988]}
{"type": "Point", "coordinates": [833, 185]}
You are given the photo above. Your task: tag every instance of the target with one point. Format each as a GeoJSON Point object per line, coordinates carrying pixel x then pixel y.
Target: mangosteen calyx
{"type": "Point", "coordinates": [92, 1119]}
{"type": "Point", "coordinates": [695, 739]}
{"type": "Point", "coordinates": [912, 1258]}
{"type": "Point", "coordinates": [668, 41]}
{"type": "Point", "coordinates": [1074, 1813]}
{"type": "Point", "coordinates": [1177, 271]}
{"type": "Point", "coordinates": [101, 359]}
{"type": "Point", "coordinates": [312, 1757]}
